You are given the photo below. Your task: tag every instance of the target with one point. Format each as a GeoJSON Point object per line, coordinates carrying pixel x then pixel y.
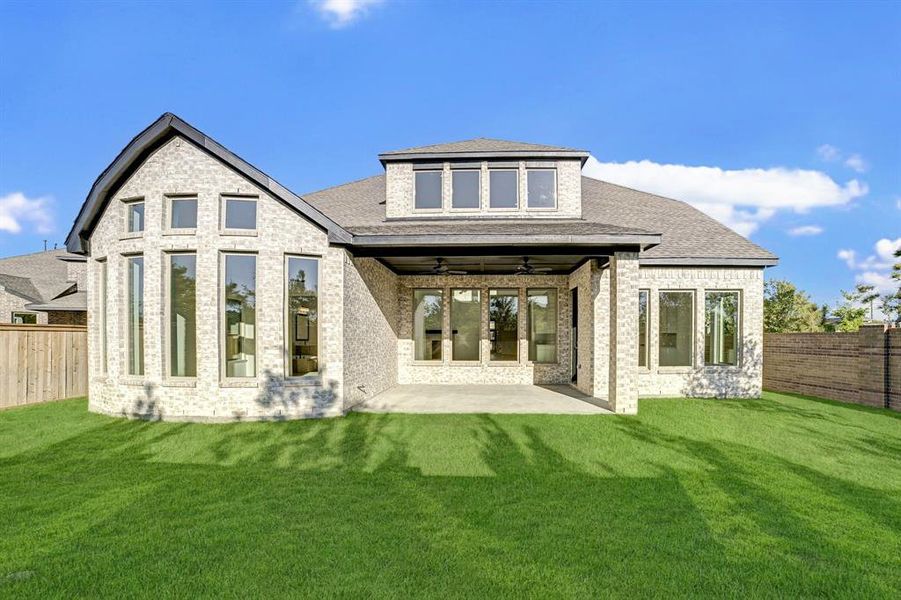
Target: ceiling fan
{"type": "Point", "coordinates": [441, 268]}
{"type": "Point", "coordinates": [526, 268]}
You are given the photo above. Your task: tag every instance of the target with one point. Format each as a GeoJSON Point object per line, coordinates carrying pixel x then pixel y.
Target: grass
{"type": "Point", "coordinates": [779, 497]}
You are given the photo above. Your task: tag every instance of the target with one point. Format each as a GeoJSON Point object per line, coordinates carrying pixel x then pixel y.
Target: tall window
{"type": "Point", "coordinates": [24, 318]}
{"type": "Point", "coordinates": [303, 315]}
{"type": "Point", "coordinates": [676, 328]}
{"type": "Point", "coordinates": [466, 320]}
{"type": "Point", "coordinates": [428, 324]}
{"type": "Point", "coordinates": [134, 217]}
{"type": "Point", "coordinates": [503, 189]}
{"type": "Point", "coordinates": [467, 191]}
{"type": "Point", "coordinates": [183, 213]}
{"type": "Point", "coordinates": [542, 187]}
{"type": "Point", "coordinates": [428, 190]}
{"type": "Point", "coordinates": [240, 283]}
{"type": "Point", "coordinates": [240, 213]}
{"type": "Point", "coordinates": [721, 328]}
{"type": "Point", "coordinates": [183, 315]}
{"type": "Point", "coordinates": [643, 328]}
{"type": "Point", "coordinates": [135, 315]}
{"type": "Point", "coordinates": [542, 312]}
{"type": "Point", "coordinates": [102, 316]}
{"type": "Point", "coordinates": [503, 329]}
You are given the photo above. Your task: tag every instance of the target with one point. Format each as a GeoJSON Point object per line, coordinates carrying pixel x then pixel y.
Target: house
{"type": "Point", "coordinates": [43, 287]}
{"type": "Point", "coordinates": [217, 293]}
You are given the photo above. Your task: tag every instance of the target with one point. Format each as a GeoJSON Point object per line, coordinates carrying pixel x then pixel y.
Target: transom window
{"type": "Point", "coordinates": [466, 189]}
{"type": "Point", "coordinates": [302, 285]}
{"type": "Point", "coordinates": [676, 311]}
{"type": "Point", "coordinates": [240, 213]}
{"type": "Point", "coordinates": [183, 213]}
{"type": "Point", "coordinates": [503, 324]}
{"type": "Point", "coordinates": [542, 312]}
{"type": "Point", "coordinates": [239, 322]}
{"type": "Point", "coordinates": [721, 328]}
{"type": "Point", "coordinates": [428, 324]}
{"type": "Point", "coordinates": [503, 189]}
{"type": "Point", "coordinates": [428, 190]}
{"type": "Point", "coordinates": [24, 318]}
{"type": "Point", "coordinates": [134, 217]}
{"type": "Point", "coordinates": [542, 188]}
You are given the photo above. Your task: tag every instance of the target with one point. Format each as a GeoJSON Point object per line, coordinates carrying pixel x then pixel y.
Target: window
{"type": "Point", "coordinates": [721, 328]}
{"type": "Point", "coordinates": [428, 190]}
{"type": "Point", "coordinates": [135, 315]}
{"type": "Point", "coordinates": [466, 320]}
{"type": "Point", "coordinates": [24, 318]}
{"type": "Point", "coordinates": [643, 328]}
{"type": "Point", "coordinates": [240, 213]}
{"type": "Point", "coordinates": [428, 324]}
{"type": "Point", "coordinates": [503, 328]}
{"type": "Point", "coordinates": [467, 191]}
{"type": "Point", "coordinates": [542, 188]}
{"type": "Point", "coordinates": [240, 283]}
{"type": "Point", "coordinates": [101, 285]}
{"type": "Point", "coordinates": [134, 217]}
{"type": "Point", "coordinates": [542, 313]}
{"type": "Point", "coordinates": [183, 213]}
{"type": "Point", "coordinates": [303, 315]}
{"type": "Point", "coordinates": [676, 328]}
{"type": "Point", "coordinates": [183, 315]}
{"type": "Point", "coordinates": [503, 188]}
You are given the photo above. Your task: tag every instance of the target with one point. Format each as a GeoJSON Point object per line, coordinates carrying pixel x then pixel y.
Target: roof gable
{"type": "Point", "coordinates": [160, 131]}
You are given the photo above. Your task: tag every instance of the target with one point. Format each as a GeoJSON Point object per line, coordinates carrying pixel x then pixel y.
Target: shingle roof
{"type": "Point", "coordinates": [480, 145]}
{"type": "Point", "coordinates": [39, 277]}
{"type": "Point", "coordinates": [74, 301]}
{"type": "Point", "coordinates": [20, 286]}
{"type": "Point", "coordinates": [687, 233]}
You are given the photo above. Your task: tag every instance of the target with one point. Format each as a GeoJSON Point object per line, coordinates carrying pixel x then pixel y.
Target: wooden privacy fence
{"type": "Point", "coordinates": [39, 363]}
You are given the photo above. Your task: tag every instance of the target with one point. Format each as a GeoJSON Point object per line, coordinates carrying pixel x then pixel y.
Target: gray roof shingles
{"type": "Point", "coordinates": [479, 145]}
{"type": "Point", "coordinates": [39, 277]}
{"type": "Point", "coordinates": [687, 233]}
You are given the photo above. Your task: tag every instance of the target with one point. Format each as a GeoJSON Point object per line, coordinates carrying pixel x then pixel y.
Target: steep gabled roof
{"type": "Point", "coordinates": [482, 148]}
{"type": "Point", "coordinates": [160, 131]}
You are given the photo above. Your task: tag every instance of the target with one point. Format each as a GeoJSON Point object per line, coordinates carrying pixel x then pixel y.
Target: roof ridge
{"type": "Point", "coordinates": [340, 185]}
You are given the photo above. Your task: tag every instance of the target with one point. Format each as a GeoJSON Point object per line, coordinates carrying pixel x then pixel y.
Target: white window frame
{"type": "Point", "coordinates": [223, 214]}
{"type": "Point", "coordinates": [224, 378]}
{"type": "Point", "coordinates": [556, 190]}
{"type": "Point", "coordinates": [170, 199]}
{"type": "Point", "coordinates": [23, 312]}
{"type": "Point", "coordinates": [440, 207]}
{"type": "Point", "coordinates": [504, 209]}
{"type": "Point", "coordinates": [739, 332]}
{"type": "Point", "coordinates": [557, 352]}
{"type": "Point", "coordinates": [450, 327]}
{"type": "Point", "coordinates": [478, 206]}
{"type": "Point", "coordinates": [127, 204]}
{"type": "Point", "coordinates": [287, 318]}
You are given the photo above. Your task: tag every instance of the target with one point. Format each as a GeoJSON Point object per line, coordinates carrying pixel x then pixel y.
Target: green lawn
{"type": "Point", "coordinates": [778, 497]}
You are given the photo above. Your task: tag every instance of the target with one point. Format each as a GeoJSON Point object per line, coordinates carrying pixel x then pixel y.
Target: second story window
{"type": "Point", "coordinates": [134, 217]}
{"type": "Point", "coordinates": [466, 189]}
{"type": "Point", "coordinates": [183, 213]}
{"type": "Point", "coordinates": [503, 188]}
{"type": "Point", "coordinates": [240, 213]}
{"type": "Point", "coordinates": [542, 188]}
{"type": "Point", "coordinates": [428, 190]}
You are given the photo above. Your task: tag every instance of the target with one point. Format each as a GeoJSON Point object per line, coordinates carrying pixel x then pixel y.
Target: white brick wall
{"type": "Point", "coordinates": [10, 303]}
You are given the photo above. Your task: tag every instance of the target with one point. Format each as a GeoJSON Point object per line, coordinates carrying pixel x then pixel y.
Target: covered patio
{"type": "Point", "coordinates": [484, 398]}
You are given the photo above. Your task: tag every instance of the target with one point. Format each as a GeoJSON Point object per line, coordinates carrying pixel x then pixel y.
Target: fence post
{"type": "Point", "coordinates": [873, 370]}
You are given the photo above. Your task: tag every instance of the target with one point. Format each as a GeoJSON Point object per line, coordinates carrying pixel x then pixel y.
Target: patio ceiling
{"type": "Point", "coordinates": [487, 263]}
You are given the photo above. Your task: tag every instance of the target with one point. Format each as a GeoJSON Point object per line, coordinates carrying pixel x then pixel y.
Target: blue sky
{"type": "Point", "coordinates": [782, 120]}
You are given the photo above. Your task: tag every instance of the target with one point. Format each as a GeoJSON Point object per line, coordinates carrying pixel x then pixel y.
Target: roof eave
{"type": "Point", "coordinates": [708, 261]}
{"type": "Point", "coordinates": [644, 241]}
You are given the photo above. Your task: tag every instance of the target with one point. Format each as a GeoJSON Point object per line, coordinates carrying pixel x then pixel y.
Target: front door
{"type": "Point", "coordinates": [574, 336]}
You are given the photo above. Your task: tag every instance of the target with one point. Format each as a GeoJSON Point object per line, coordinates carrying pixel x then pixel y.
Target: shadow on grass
{"type": "Point", "coordinates": [365, 506]}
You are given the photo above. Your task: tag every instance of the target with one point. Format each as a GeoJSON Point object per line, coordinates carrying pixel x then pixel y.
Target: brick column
{"type": "Point", "coordinates": [872, 365]}
{"type": "Point", "coordinates": [623, 380]}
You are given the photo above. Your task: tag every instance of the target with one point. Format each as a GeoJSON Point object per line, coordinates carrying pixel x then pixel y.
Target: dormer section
{"type": "Point", "coordinates": [484, 178]}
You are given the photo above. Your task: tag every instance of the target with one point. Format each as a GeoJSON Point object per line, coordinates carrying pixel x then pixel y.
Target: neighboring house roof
{"type": "Point", "coordinates": [75, 301]}
{"type": "Point", "coordinates": [483, 148]}
{"type": "Point", "coordinates": [158, 133]}
{"type": "Point", "coordinates": [41, 277]}
{"type": "Point", "coordinates": [688, 235]}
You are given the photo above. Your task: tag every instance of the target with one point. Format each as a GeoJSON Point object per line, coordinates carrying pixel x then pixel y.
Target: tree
{"type": "Point", "coordinates": [866, 294]}
{"type": "Point", "coordinates": [891, 306]}
{"type": "Point", "coordinates": [787, 309]}
{"type": "Point", "coordinates": [849, 317]}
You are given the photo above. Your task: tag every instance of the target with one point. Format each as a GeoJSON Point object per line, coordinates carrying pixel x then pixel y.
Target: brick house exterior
{"type": "Point", "coordinates": [571, 270]}
{"type": "Point", "coordinates": [43, 288]}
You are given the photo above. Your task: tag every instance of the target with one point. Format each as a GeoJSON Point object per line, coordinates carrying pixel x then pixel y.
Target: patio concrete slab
{"type": "Point", "coordinates": [510, 399]}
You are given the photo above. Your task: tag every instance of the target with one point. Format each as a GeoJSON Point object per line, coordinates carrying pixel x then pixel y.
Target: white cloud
{"type": "Point", "coordinates": [806, 230]}
{"type": "Point", "coordinates": [856, 162]}
{"type": "Point", "coordinates": [829, 153]}
{"type": "Point", "coordinates": [341, 13]}
{"type": "Point", "coordinates": [740, 198]}
{"type": "Point", "coordinates": [17, 210]}
{"type": "Point", "coordinates": [875, 268]}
